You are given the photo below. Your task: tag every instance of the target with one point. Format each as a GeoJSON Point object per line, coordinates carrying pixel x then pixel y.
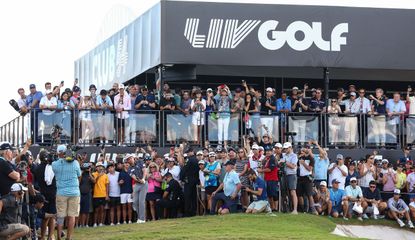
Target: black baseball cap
{"type": "Point", "coordinates": [6, 146]}
{"type": "Point", "coordinates": [76, 89]}
{"type": "Point", "coordinates": [229, 163]}
{"type": "Point", "coordinates": [92, 86]}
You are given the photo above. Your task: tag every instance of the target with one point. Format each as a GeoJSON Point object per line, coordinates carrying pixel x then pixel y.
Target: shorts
{"type": "Point", "coordinates": [337, 209]}
{"type": "Point", "coordinates": [49, 207]}
{"type": "Point", "coordinates": [153, 196]}
{"type": "Point", "coordinates": [13, 229]}
{"type": "Point", "coordinates": [126, 198]}
{"type": "Point", "coordinates": [260, 206]}
{"type": "Point", "coordinates": [304, 187]}
{"type": "Point", "coordinates": [209, 190]}
{"type": "Point", "coordinates": [114, 201]}
{"type": "Point", "coordinates": [272, 189]}
{"type": "Point", "coordinates": [98, 202]}
{"type": "Point", "coordinates": [292, 182]}
{"type": "Point", "coordinates": [85, 203]}
{"type": "Point", "coordinates": [67, 206]}
{"type": "Point", "coordinates": [120, 123]}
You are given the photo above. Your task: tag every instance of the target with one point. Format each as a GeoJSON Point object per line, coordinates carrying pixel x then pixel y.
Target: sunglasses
{"type": "Point", "coordinates": [153, 167]}
{"type": "Point", "coordinates": [362, 92]}
{"type": "Point", "coordinates": [372, 187]}
{"type": "Point", "coordinates": [353, 181]}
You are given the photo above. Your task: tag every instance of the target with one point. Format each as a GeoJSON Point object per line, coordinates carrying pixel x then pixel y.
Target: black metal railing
{"type": "Point", "coordinates": [168, 128]}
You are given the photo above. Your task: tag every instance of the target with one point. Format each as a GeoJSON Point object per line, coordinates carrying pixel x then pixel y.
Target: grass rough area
{"type": "Point", "coordinates": [235, 226]}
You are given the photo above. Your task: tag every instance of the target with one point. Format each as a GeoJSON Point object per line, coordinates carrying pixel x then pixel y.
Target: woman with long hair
{"type": "Point", "coordinates": [334, 121]}
{"type": "Point", "coordinates": [154, 187]}
{"type": "Point", "coordinates": [198, 106]}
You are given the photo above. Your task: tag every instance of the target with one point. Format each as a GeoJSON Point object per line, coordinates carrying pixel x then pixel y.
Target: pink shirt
{"type": "Point", "coordinates": [152, 183]}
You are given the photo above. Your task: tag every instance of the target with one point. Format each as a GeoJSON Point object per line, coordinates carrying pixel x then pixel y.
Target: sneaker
{"type": "Point", "coordinates": [365, 216]}
{"type": "Point", "coordinates": [129, 222]}
{"type": "Point", "coordinates": [401, 224]}
{"type": "Point", "coordinates": [294, 212]}
{"type": "Point", "coordinates": [381, 216]}
{"type": "Point", "coordinates": [95, 225]}
{"type": "Point", "coordinates": [112, 224]}
{"type": "Point", "coordinates": [360, 218]}
{"type": "Point", "coordinates": [118, 223]}
{"type": "Point", "coordinates": [375, 217]}
{"type": "Point", "coordinates": [140, 221]}
{"type": "Point", "coordinates": [410, 225]}
{"type": "Point", "coordinates": [345, 218]}
{"type": "Point", "coordinates": [87, 226]}
{"type": "Point", "coordinates": [101, 225]}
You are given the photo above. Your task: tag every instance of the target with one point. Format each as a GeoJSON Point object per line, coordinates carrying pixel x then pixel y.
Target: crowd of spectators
{"type": "Point", "coordinates": [223, 104]}
{"type": "Point", "coordinates": [68, 190]}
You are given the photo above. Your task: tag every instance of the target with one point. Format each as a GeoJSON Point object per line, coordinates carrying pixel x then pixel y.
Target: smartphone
{"type": "Point", "coordinates": [243, 81]}
{"type": "Point", "coordinates": [62, 82]}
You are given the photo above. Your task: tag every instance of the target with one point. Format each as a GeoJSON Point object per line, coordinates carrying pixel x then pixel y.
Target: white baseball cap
{"type": "Point", "coordinates": [323, 183]}
{"type": "Point", "coordinates": [99, 164]}
{"type": "Point", "coordinates": [287, 145]}
{"type": "Point", "coordinates": [269, 89]}
{"type": "Point", "coordinates": [385, 161]}
{"type": "Point", "coordinates": [121, 86]}
{"type": "Point", "coordinates": [278, 145]}
{"type": "Point", "coordinates": [212, 154]}
{"type": "Point", "coordinates": [255, 147]}
{"type": "Point", "coordinates": [202, 162]}
{"type": "Point", "coordinates": [397, 191]}
{"type": "Point", "coordinates": [353, 179]}
{"type": "Point", "coordinates": [61, 149]}
{"type": "Point", "coordinates": [128, 156]}
{"type": "Point", "coordinates": [295, 88]}
{"type": "Point", "coordinates": [199, 153]}
{"type": "Point", "coordinates": [17, 187]}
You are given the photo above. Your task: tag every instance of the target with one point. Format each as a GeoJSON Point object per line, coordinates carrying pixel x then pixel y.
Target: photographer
{"type": "Point", "coordinates": [9, 208]}
{"type": "Point", "coordinates": [67, 172]}
{"type": "Point", "coordinates": [85, 187]}
{"type": "Point", "coordinates": [45, 179]}
{"type": "Point", "coordinates": [260, 204]}
{"type": "Point", "coordinates": [8, 174]}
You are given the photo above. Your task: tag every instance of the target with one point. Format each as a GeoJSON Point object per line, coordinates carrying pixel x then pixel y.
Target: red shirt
{"type": "Point", "coordinates": [270, 163]}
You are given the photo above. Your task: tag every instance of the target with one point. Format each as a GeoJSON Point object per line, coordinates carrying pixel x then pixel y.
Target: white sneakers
{"type": "Point", "coordinates": [410, 225]}
{"type": "Point", "coordinates": [401, 224]}
{"type": "Point", "coordinates": [294, 212]}
{"type": "Point", "coordinates": [140, 221]}
{"type": "Point", "coordinates": [129, 222]}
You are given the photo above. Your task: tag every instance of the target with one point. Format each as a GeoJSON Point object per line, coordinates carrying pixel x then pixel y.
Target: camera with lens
{"type": "Point", "coordinates": [22, 168]}
{"type": "Point", "coordinates": [86, 167]}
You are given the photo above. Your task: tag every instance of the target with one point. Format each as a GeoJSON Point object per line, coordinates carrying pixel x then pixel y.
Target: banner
{"type": "Point", "coordinates": [287, 35]}
{"type": "Point", "coordinates": [126, 54]}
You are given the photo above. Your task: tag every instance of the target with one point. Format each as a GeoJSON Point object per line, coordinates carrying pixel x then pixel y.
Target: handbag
{"type": "Point", "coordinates": [357, 208]}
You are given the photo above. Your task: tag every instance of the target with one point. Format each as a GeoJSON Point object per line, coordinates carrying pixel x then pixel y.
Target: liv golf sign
{"type": "Point", "coordinates": [229, 33]}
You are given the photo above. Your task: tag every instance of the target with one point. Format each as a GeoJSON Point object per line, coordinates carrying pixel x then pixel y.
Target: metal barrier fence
{"type": "Point", "coordinates": [168, 128]}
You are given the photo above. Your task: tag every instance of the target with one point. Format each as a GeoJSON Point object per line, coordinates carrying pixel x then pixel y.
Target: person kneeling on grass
{"type": "Point", "coordinates": [322, 199]}
{"type": "Point", "coordinates": [398, 209]}
{"type": "Point", "coordinates": [355, 197]}
{"type": "Point", "coordinates": [261, 204]}
{"type": "Point", "coordinates": [338, 199]}
{"type": "Point", "coordinates": [372, 197]}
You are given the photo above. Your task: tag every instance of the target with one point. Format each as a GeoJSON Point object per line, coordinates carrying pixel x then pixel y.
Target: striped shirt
{"type": "Point", "coordinates": [67, 174]}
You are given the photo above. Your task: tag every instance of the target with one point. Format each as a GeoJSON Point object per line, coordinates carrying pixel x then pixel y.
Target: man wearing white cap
{"type": "Point", "coordinates": [337, 170]}
{"type": "Point", "coordinates": [291, 161]}
{"type": "Point", "coordinates": [268, 109]}
{"type": "Point", "coordinates": [398, 209]}
{"type": "Point", "coordinates": [48, 103]}
{"type": "Point", "coordinates": [122, 104]}
{"type": "Point", "coordinates": [9, 208]}
{"type": "Point", "coordinates": [255, 159]}
{"type": "Point", "coordinates": [354, 195]}
{"type": "Point", "coordinates": [322, 199]}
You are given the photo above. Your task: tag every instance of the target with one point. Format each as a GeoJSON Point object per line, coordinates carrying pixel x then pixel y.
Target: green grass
{"type": "Point", "coordinates": [235, 226]}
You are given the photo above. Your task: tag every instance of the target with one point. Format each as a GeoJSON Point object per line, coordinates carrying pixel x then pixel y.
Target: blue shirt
{"type": "Point", "coordinates": [336, 197]}
{"type": "Point", "coordinates": [150, 98]}
{"type": "Point", "coordinates": [230, 182]}
{"type": "Point", "coordinates": [127, 186]}
{"type": "Point", "coordinates": [293, 159]}
{"type": "Point", "coordinates": [259, 183]}
{"type": "Point", "coordinates": [101, 101]}
{"type": "Point", "coordinates": [66, 175]}
{"type": "Point", "coordinates": [283, 105]}
{"type": "Point", "coordinates": [320, 168]}
{"type": "Point", "coordinates": [31, 97]}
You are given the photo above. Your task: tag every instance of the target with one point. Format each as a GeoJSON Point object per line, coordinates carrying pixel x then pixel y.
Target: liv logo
{"type": "Point", "coordinates": [229, 34]}
{"type": "Point", "coordinates": [233, 33]}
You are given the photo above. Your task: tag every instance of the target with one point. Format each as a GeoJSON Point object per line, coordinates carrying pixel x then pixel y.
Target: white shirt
{"type": "Point", "coordinates": [114, 187]}
{"type": "Point", "coordinates": [124, 104]}
{"type": "Point", "coordinates": [303, 170]}
{"type": "Point", "coordinates": [337, 174]}
{"type": "Point", "coordinates": [412, 105]}
{"type": "Point", "coordinates": [359, 105]}
{"type": "Point", "coordinates": [411, 181]}
{"type": "Point", "coordinates": [48, 103]}
{"type": "Point", "coordinates": [175, 172]}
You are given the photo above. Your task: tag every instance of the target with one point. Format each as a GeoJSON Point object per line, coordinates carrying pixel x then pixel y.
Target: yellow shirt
{"type": "Point", "coordinates": [100, 187]}
{"type": "Point", "coordinates": [400, 180]}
